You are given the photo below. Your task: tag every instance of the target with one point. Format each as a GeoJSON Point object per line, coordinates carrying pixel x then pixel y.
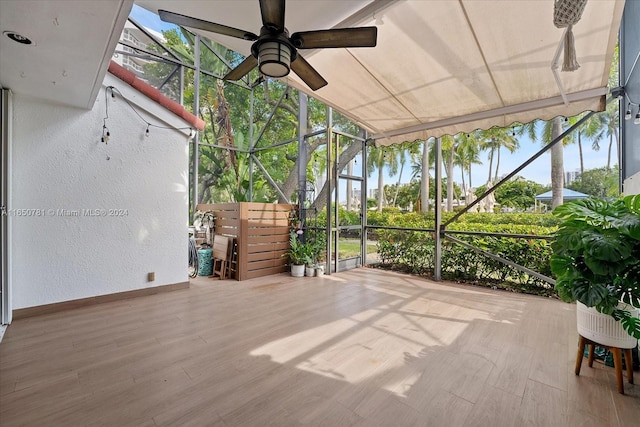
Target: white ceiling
{"type": "Point", "coordinates": [441, 66]}
{"type": "Point", "coordinates": [72, 44]}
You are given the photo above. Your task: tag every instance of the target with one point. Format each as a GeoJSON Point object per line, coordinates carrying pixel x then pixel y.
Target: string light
{"type": "Point", "coordinates": [111, 90]}
{"type": "Point", "coordinates": [629, 112]}
{"type": "Point", "coordinates": [105, 133]}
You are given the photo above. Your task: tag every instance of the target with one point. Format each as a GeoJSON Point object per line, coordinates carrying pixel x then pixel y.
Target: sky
{"type": "Point", "coordinates": [149, 19]}
{"type": "Point", "coordinates": [539, 171]}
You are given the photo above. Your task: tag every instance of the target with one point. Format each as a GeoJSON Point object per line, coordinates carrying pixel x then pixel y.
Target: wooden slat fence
{"type": "Point", "coordinates": [261, 233]}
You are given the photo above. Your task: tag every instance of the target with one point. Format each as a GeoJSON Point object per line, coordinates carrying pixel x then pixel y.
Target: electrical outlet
{"type": "Point", "coordinates": [151, 276]}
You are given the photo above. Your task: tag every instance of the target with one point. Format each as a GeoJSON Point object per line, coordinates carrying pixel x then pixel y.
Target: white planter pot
{"type": "Point", "coordinates": [320, 270]}
{"type": "Point", "coordinates": [310, 271]}
{"type": "Point", "coordinates": [602, 328]}
{"type": "Point", "coordinates": [297, 270]}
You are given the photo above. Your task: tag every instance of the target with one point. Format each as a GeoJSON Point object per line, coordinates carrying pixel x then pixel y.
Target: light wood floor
{"type": "Point", "coordinates": [362, 348]}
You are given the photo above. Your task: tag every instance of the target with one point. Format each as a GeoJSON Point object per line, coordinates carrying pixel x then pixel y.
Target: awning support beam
{"type": "Point", "coordinates": [483, 115]}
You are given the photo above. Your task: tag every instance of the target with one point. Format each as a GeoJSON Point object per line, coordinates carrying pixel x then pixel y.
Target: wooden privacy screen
{"type": "Point", "coordinates": [261, 231]}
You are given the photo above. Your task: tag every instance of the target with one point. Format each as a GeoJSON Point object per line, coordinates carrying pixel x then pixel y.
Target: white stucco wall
{"type": "Point", "coordinates": [58, 162]}
{"type": "Point", "coordinates": [631, 185]}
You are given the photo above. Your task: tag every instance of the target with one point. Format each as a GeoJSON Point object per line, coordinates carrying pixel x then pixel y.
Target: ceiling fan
{"type": "Point", "coordinates": [274, 51]}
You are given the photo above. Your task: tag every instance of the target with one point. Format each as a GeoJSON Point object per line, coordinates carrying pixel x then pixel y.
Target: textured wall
{"type": "Point", "coordinates": [630, 76]}
{"type": "Point", "coordinates": [632, 185]}
{"type": "Point", "coordinates": [60, 166]}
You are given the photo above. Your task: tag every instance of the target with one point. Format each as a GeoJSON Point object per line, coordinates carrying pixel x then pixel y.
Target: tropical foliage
{"type": "Point", "coordinates": [596, 256]}
{"type": "Point", "coordinates": [600, 182]}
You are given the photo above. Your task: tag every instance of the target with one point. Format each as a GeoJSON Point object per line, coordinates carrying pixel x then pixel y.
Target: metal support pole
{"type": "Point", "coordinates": [302, 155]}
{"type": "Point", "coordinates": [270, 180]}
{"type": "Point", "coordinates": [181, 85]}
{"type": "Point", "coordinates": [437, 268]}
{"type": "Point", "coordinates": [251, 145]}
{"type": "Point", "coordinates": [336, 199]}
{"type": "Point", "coordinates": [329, 183]}
{"type": "Point", "coordinates": [196, 111]}
{"type": "Point", "coordinates": [363, 199]}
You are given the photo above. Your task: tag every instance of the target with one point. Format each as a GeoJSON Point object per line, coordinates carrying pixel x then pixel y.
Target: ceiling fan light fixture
{"type": "Point", "coordinates": [274, 58]}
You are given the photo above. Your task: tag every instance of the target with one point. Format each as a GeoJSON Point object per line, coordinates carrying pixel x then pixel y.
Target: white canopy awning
{"type": "Point", "coordinates": [440, 66]}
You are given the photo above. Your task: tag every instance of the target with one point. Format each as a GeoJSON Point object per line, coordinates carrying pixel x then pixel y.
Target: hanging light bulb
{"type": "Point", "coordinates": [627, 115]}
{"type": "Point", "coordinates": [105, 134]}
{"type": "Point", "coordinates": [636, 121]}
{"type": "Point", "coordinates": [146, 133]}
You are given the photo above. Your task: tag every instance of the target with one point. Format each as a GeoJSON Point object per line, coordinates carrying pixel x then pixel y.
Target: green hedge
{"type": "Point", "coordinates": [413, 251]}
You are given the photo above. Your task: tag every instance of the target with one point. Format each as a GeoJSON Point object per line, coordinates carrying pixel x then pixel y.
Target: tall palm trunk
{"type": "Point", "coordinates": [449, 169]}
{"type": "Point", "coordinates": [490, 164]}
{"type": "Point", "coordinates": [609, 153]}
{"type": "Point", "coordinates": [395, 197]}
{"type": "Point", "coordinates": [495, 177]}
{"type": "Point", "coordinates": [581, 156]}
{"type": "Point", "coordinates": [557, 164]}
{"type": "Point", "coordinates": [470, 184]}
{"type": "Point", "coordinates": [380, 185]}
{"type": "Point", "coordinates": [464, 186]}
{"type": "Point", "coordinates": [424, 184]}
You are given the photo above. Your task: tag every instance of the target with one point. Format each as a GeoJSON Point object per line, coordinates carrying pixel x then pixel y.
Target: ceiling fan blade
{"type": "Point", "coordinates": [272, 14]}
{"type": "Point", "coordinates": [188, 21]}
{"type": "Point", "coordinates": [307, 73]}
{"type": "Point", "coordinates": [337, 37]}
{"type": "Point", "coordinates": [243, 69]}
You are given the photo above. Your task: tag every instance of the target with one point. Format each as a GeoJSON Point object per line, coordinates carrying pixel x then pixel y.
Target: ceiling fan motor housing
{"type": "Point", "coordinates": [274, 52]}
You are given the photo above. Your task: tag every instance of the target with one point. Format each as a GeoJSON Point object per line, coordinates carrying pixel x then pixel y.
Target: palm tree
{"type": "Point", "coordinates": [557, 164]}
{"type": "Point", "coordinates": [550, 131]}
{"type": "Point", "coordinates": [420, 167]}
{"type": "Point", "coordinates": [424, 177]}
{"type": "Point", "coordinates": [448, 144]}
{"type": "Point", "coordinates": [495, 139]}
{"type": "Point", "coordinates": [402, 152]}
{"type": "Point", "coordinates": [378, 159]}
{"type": "Point", "coordinates": [609, 120]}
{"type": "Point", "coordinates": [467, 154]}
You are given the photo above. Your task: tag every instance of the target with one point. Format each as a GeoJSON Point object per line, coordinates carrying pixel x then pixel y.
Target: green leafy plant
{"type": "Point", "coordinates": [299, 252]}
{"type": "Point", "coordinates": [596, 256]}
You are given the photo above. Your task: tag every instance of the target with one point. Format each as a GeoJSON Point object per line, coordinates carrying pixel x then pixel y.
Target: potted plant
{"type": "Point", "coordinates": [596, 257]}
{"type": "Point", "coordinates": [207, 220]}
{"type": "Point", "coordinates": [298, 255]}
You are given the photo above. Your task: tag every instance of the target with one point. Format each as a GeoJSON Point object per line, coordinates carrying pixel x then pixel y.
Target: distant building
{"type": "Point", "coordinates": [569, 177]}
{"type": "Point", "coordinates": [128, 57]}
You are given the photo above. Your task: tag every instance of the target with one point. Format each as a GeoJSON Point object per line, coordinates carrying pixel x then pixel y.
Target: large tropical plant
{"type": "Point", "coordinates": [597, 256]}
